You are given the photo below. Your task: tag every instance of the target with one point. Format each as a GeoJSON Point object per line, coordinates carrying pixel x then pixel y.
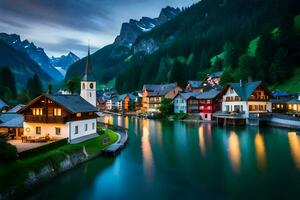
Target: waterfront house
{"type": "Point", "coordinates": [279, 101]}
{"type": "Point", "coordinates": [240, 100]}
{"type": "Point", "coordinates": [186, 103]}
{"type": "Point", "coordinates": [209, 103]}
{"type": "Point", "coordinates": [112, 103]}
{"type": "Point", "coordinates": [64, 116]}
{"type": "Point", "coordinates": [294, 105]}
{"type": "Point", "coordinates": [101, 103]}
{"type": "Point", "coordinates": [3, 106]}
{"type": "Point", "coordinates": [153, 94]}
{"type": "Point", "coordinates": [126, 102]}
{"type": "Point", "coordinates": [195, 86]}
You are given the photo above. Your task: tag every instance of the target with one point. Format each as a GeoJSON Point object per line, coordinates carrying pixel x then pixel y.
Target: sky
{"type": "Point", "coordinates": [60, 26]}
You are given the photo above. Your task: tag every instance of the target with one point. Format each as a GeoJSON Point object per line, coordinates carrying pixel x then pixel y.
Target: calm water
{"type": "Point", "coordinates": [178, 160]}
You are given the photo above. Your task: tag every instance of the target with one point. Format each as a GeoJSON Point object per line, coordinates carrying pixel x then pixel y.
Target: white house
{"type": "Point", "coordinates": [181, 102]}
{"type": "Point", "coordinates": [246, 98]}
{"type": "Point", "coordinates": [64, 116]}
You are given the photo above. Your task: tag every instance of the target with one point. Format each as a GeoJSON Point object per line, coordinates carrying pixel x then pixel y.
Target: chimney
{"type": "Point", "coordinates": [241, 83]}
{"type": "Point", "coordinates": [49, 89]}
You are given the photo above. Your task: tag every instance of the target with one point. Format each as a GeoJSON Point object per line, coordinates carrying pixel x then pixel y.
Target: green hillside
{"type": "Point", "coordinates": [291, 85]}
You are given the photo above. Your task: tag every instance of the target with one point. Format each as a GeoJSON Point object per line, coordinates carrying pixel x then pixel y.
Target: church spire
{"type": "Point", "coordinates": [88, 76]}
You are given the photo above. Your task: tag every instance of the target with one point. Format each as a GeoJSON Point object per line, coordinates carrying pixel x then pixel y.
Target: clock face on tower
{"type": "Point", "coordinates": [91, 85]}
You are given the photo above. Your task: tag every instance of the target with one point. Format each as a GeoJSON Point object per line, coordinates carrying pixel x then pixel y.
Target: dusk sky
{"type": "Point", "coordinates": [62, 26]}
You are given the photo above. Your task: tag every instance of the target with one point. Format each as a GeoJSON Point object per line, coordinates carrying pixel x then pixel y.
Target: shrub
{"type": "Point", "coordinates": [8, 152]}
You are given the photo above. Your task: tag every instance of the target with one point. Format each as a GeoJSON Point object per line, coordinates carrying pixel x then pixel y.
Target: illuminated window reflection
{"type": "Point", "coordinates": [234, 151]}
{"type": "Point", "coordinates": [147, 151]}
{"type": "Point", "coordinates": [294, 142]}
{"type": "Point", "coordinates": [201, 141]}
{"type": "Point", "coordinates": [260, 151]}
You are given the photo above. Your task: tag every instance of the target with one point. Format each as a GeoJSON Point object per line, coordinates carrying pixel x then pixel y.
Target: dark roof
{"type": "Point", "coordinates": [195, 84]}
{"type": "Point", "coordinates": [88, 75]}
{"type": "Point", "coordinates": [159, 90]}
{"type": "Point", "coordinates": [246, 90]}
{"type": "Point", "coordinates": [294, 101]}
{"type": "Point", "coordinates": [122, 97]}
{"type": "Point", "coordinates": [2, 104]}
{"type": "Point", "coordinates": [11, 120]}
{"type": "Point", "coordinates": [211, 94]}
{"type": "Point", "coordinates": [216, 74]}
{"type": "Point", "coordinates": [187, 95]}
{"type": "Point", "coordinates": [278, 93]}
{"type": "Point", "coordinates": [73, 103]}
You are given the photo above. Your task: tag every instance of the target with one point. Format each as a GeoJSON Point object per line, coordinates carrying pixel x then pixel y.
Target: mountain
{"type": "Point", "coordinates": [63, 63]}
{"type": "Point", "coordinates": [22, 66]}
{"type": "Point", "coordinates": [35, 53]}
{"type": "Point", "coordinates": [114, 58]}
{"type": "Point", "coordinates": [130, 31]}
{"type": "Point", "coordinates": [249, 40]}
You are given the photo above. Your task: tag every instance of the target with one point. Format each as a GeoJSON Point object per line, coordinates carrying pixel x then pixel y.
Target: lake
{"type": "Point", "coordinates": [187, 160]}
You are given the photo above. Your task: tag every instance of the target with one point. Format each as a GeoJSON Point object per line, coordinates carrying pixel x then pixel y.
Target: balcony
{"type": "Point", "coordinates": [45, 119]}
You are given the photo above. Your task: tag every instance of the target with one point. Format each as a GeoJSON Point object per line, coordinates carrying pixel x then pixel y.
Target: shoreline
{"type": "Point", "coordinates": [52, 169]}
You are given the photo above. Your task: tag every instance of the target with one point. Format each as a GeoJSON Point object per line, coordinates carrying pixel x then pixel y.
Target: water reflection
{"type": "Point", "coordinates": [294, 142]}
{"type": "Point", "coordinates": [234, 151]}
{"type": "Point", "coordinates": [201, 140]}
{"type": "Point", "coordinates": [126, 124]}
{"type": "Point", "coordinates": [147, 150]}
{"type": "Point", "coordinates": [260, 150]}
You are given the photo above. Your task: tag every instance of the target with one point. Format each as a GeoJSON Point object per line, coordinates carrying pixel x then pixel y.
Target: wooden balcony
{"type": "Point", "coordinates": [45, 119]}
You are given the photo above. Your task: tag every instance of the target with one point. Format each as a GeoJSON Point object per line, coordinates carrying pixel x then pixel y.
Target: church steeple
{"type": "Point", "coordinates": [88, 74]}
{"type": "Point", "coordinates": [88, 82]}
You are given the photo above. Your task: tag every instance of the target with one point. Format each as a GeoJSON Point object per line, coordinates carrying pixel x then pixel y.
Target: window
{"type": "Point", "coordinates": [205, 116]}
{"type": "Point", "coordinates": [83, 86]}
{"type": "Point", "coordinates": [90, 94]}
{"type": "Point", "coordinates": [93, 125]}
{"type": "Point", "coordinates": [78, 114]}
{"type": "Point", "coordinates": [38, 130]}
{"type": "Point", "coordinates": [57, 111]}
{"type": "Point", "coordinates": [57, 131]}
{"type": "Point", "coordinates": [76, 130]}
{"type": "Point", "coordinates": [85, 127]}
{"type": "Point", "coordinates": [37, 111]}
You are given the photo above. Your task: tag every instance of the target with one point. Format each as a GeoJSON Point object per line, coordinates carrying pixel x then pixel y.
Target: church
{"type": "Point", "coordinates": [64, 116]}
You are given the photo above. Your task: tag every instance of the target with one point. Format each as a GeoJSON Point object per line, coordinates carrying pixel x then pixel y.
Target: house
{"type": "Point", "coordinates": [279, 101]}
{"type": "Point", "coordinates": [64, 116]}
{"type": "Point", "coordinates": [240, 100]}
{"type": "Point", "coordinates": [113, 103]}
{"type": "Point", "coordinates": [209, 103]}
{"type": "Point", "coordinates": [101, 103]}
{"type": "Point", "coordinates": [195, 86]}
{"type": "Point", "coordinates": [186, 103]}
{"type": "Point", "coordinates": [153, 94]}
{"type": "Point", "coordinates": [3, 106]}
{"type": "Point", "coordinates": [213, 78]}
{"type": "Point", "coordinates": [294, 105]}
{"type": "Point", "coordinates": [11, 125]}
{"type": "Point", "coordinates": [16, 108]}
{"type": "Point", "coordinates": [126, 102]}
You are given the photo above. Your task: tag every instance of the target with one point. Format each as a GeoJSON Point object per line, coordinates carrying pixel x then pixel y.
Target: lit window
{"type": "Point", "coordinates": [37, 111]}
{"type": "Point", "coordinates": [57, 111]}
{"type": "Point", "coordinates": [78, 114]}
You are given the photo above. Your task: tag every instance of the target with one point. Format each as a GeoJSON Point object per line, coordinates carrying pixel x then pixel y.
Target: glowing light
{"type": "Point", "coordinates": [294, 142]}
{"type": "Point", "coordinates": [147, 151]}
{"type": "Point", "coordinates": [126, 122]}
{"type": "Point", "coordinates": [260, 151]}
{"type": "Point", "coordinates": [234, 151]}
{"type": "Point", "coordinates": [201, 141]}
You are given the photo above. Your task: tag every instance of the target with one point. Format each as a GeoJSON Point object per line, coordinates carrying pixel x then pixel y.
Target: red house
{"type": "Point", "coordinates": [209, 103]}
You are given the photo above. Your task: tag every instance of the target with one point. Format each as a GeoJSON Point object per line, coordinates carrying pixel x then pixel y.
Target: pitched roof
{"type": "Point", "coordinates": [278, 93]}
{"type": "Point", "coordinates": [122, 97]}
{"type": "Point", "coordinates": [72, 103]}
{"type": "Point", "coordinates": [2, 104]}
{"type": "Point", "coordinates": [246, 90]}
{"type": "Point", "coordinates": [16, 108]}
{"type": "Point", "coordinates": [195, 84]}
{"type": "Point", "coordinates": [159, 90]}
{"type": "Point", "coordinates": [216, 74]}
{"type": "Point", "coordinates": [187, 95]}
{"type": "Point", "coordinates": [88, 75]}
{"type": "Point", "coordinates": [294, 101]}
{"type": "Point", "coordinates": [11, 120]}
{"type": "Point", "coordinates": [211, 94]}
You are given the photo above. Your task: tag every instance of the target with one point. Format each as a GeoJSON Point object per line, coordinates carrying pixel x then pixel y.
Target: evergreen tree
{"type": "Point", "coordinates": [178, 74]}
{"type": "Point", "coordinates": [279, 72]}
{"type": "Point", "coordinates": [229, 55]}
{"type": "Point", "coordinates": [7, 84]}
{"type": "Point", "coordinates": [34, 86]}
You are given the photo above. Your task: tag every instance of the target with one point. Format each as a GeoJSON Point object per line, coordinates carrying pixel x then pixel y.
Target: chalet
{"type": "Point", "coordinates": [294, 105]}
{"type": "Point", "coordinates": [126, 101]}
{"type": "Point", "coordinates": [240, 100]}
{"type": "Point", "coordinates": [64, 116]}
{"type": "Point", "coordinates": [195, 86]}
{"type": "Point", "coordinates": [3, 106]}
{"type": "Point", "coordinates": [209, 103]}
{"type": "Point", "coordinates": [154, 94]}
{"type": "Point", "coordinates": [11, 125]}
{"type": "Point", "coordinates": [101, 103]}
{"type": "Point", "coordinates": [186, 103]}
{"type": "Point", "coordinates": [279, 101]}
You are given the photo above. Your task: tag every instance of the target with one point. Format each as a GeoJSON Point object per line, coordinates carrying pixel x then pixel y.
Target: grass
{"type": "Point", "coordinates": [16, 172]}
{"type": "Point", "coordinates": [291, 85]}
{"type": "Point", "coordinates": [214, 59]}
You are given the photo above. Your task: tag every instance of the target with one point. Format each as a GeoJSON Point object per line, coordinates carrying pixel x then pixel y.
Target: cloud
{"type": "Point", "coordinates": [60, 26]}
